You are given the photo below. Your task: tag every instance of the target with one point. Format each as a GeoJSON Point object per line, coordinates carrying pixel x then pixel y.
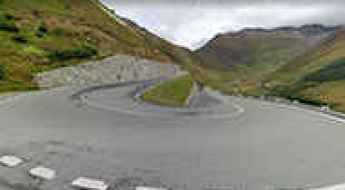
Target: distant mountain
{"type": "Point", "coordinates": [317, 76]}
{"type": "Point", "coordinates": [41, 35]}
{"type": "Point", "coordinates": [258, 46]}
{"type": "Point", "coordinates": [304, 63]}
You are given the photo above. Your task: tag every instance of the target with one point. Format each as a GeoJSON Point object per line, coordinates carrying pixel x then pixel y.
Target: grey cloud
{"type": "Point", "coordinates": [224, 2]}
{"type": "Point", "coordinates": [192, 26]}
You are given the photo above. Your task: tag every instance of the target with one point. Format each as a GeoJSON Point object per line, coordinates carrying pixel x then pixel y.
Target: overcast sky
{"type": "Point", "coordinates": [191, 23]}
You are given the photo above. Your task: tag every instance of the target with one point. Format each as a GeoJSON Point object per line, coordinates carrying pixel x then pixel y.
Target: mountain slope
{"type": "Point", "coordinates": [39, 35]}
{"type": "Point", "coordinates": [317, 77]}
{"type": "Point", "coordinates": [305, 64]}
{"type": "Point", "coordinates": [243, 59]}
{"type": "Point", "coordinates": [252, 47]}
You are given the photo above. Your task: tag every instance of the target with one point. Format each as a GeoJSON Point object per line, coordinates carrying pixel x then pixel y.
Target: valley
{"type": "Point", "coordinates": [90, 94]}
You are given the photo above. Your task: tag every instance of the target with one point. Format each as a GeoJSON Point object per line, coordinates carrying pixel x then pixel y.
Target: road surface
{"type": "Point", "coordinates": [229, 143]}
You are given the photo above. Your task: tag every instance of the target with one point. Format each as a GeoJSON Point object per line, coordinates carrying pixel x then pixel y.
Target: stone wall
{"type": "Point", "coordinates": [115, 69]}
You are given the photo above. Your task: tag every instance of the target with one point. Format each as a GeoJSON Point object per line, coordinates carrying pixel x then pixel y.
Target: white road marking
{"type": "Point", "coordinates": [334, 187]}
{"type": "Point", "coordinates": [89, 184]}
{"type": "Point", "coordinates": [149, 188]}
{"type": "Point", "coordinates": [10, 161]}
{"type": "Point", "coordinates": [42, 173]}
{"type": "Point", "coordinates": [313, 112]}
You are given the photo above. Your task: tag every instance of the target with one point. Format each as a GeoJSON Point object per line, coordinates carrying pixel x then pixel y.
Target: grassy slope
{"type": "Point", "coordinates": [237, 62]}
{"type": "Point", "coordinates": [40, 35]}
{"type": "Point", "coordinates": [317, 77]}
{"type": "Point", "coordinates": [172, 93]}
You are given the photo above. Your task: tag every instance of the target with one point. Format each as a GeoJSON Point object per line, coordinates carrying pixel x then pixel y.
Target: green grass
{"type": "Point", "coordinates": [172, 93]}
{"type": "Point", "coordinates": [7, 23]}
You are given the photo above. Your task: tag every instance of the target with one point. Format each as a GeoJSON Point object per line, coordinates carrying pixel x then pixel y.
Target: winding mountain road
{"type": "Point", "coordinates": [224, 143]}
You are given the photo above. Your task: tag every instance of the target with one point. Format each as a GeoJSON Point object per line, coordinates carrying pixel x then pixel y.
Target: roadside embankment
{"type": "Point", "coordinates": [112, 70]}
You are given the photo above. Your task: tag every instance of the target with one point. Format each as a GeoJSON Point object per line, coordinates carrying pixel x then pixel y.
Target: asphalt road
{"type": "Point", "coordinates": [228, 144]}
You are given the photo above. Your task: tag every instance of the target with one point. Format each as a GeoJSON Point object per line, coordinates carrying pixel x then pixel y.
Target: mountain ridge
{"type": "Point", "coordinates": [306, 29]}
{"type": "Point", "coordinates": [308, 67]}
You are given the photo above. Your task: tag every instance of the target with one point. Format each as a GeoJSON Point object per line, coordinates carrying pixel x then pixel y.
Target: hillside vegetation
{"type": "Point", "coordinates": [313, 75]}
{"type": "Point", "coordinates": [40, 35]}
{"type": "Point", "coordinates": [238, 62]}
{"type": "Point", "coordinates": [172, 93]}
{"type": "Point", "coordinates": [317, 76]}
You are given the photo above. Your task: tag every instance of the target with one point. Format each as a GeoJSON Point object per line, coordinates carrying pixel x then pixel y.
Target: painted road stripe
{"type": "Point", "coordinates": [10, 161]}
{"type": "Point", "coordinates": [42, 173]}
{"type": "Point", "coordinates": [89, 184]}
{"type": "Point", "coordinates": [149, 188]}
{"type": "Point", "coordinates": [334, 187]}
{"type": "Point", "coordinates": [310, 111]}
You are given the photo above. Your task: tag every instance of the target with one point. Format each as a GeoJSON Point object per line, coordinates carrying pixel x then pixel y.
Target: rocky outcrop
{"type": "Point", "coordinates": [115, 69]}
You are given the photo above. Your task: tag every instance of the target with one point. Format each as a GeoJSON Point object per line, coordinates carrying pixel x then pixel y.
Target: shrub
{"type": "Point", "coordinates": [42, 30]}
{"type": "Point", "coordinates": [112, 11]}
{"type": "Point", "coordinates": [305, 100]}
{"type": "Point", "coordinates": [9, 16]}
{"type": "Point", "coordinates": [7, 24]}
{"type": "Point", "coordinates": [76, 53]}
{"type": "Point", "coordinates": [20, 39]}
{"type": "Point", "coordinates": [2, 72]}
